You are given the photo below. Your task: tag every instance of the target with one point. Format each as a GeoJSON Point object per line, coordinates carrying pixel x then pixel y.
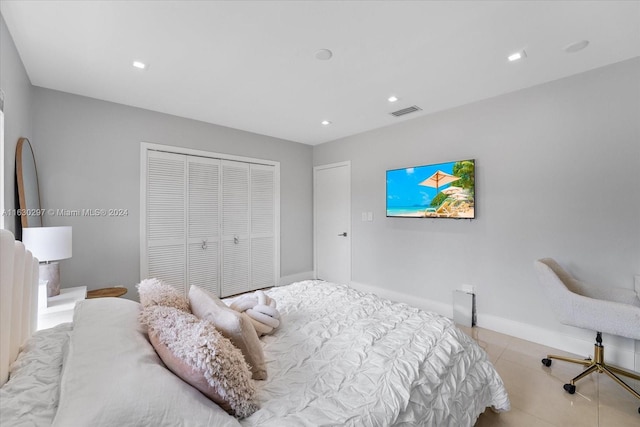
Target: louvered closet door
{"type": "Point", "coordinates": [166, 222]}
{"type": "Point", "coordinates": [235, 227]}
{"type": "Point", "coordinates": [203, 215]}
{"type": "Point", "coordinates": [263, 239]}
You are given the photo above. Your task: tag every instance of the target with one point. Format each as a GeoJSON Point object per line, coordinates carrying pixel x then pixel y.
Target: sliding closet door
{"type": "Point", "coordinates": [166, 218]}
{"type": "Point", "coordinates": [203, 213]}
{"type": "Point", "coordinates": [263, 226]}
{"type": "Point", "coordinates": [235, 227]}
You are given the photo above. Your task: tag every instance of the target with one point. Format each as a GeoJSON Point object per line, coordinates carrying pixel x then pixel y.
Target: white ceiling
{"type": "Point", "coordinates": [251, 64]}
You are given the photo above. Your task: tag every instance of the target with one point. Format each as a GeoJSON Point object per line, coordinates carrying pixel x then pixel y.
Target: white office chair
{"type": "Point", "coordinates": [610, 310]}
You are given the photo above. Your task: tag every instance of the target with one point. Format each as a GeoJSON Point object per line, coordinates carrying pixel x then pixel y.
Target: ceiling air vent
{"type": "Point", "coordinates": [407, 110]}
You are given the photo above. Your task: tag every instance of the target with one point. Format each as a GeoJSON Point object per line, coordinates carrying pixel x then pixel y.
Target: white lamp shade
{"type": "Point", "coordinates": [48, 243]}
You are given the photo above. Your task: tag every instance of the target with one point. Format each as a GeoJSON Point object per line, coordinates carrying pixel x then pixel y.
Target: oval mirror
{"type": "Point", "coordinates": [27, 181]}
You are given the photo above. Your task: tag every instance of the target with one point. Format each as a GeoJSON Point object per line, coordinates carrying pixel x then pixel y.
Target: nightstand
{"type": "Point", "coordinates": [116, 291]}
{"type": "Point", "coordinates": [59, 309]}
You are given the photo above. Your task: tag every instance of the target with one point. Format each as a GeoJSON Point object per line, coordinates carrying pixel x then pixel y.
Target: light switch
{"type": "Point", "coordinates": [369, 216]}
{"type": "Point", "coordinates": [364, 216]}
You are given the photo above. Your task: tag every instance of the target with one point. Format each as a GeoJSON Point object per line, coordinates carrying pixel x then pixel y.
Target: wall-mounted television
{"type": "Point", "coordinates": [443, 190]}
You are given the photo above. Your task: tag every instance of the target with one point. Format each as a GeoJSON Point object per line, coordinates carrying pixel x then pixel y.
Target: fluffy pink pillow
{"type": "Point", "coordinates": [156, 292]}
{"type": "Point", "coordinates": [195, 351]}
{"type": "Point", "coordinates": [232, 325]}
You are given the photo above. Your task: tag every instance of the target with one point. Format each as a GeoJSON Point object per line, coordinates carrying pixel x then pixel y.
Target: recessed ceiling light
{"type": "Point", "coordinates": [517, 56]}
{"type": "Point", "coordinates": [576, 46]}
{"type": "Point", "coordinates": [326, 123]}
{"type": "Point", "coordinates": [140, 65]}
{"type": "Point", "coordinates": [324, 54]}
{"type": "Point", "coordinates": [392, 98]}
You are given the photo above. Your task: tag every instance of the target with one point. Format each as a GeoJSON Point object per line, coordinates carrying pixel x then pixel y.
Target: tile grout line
{"type": "Point", "coordinates": [507, 345]}
{"type": "Point", "coordinates": [505, 348]}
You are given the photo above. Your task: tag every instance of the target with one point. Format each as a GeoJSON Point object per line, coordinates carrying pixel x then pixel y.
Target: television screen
{"type": "Point", "coordinates": [444, 190]}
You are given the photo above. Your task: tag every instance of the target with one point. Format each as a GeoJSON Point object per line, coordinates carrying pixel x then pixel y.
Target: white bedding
{"type": "Point", "coordinates": [339, 357]}
{"type": "Point", "coordinates": [31, 397]}
{"type": "Point", "coordinates": [112, 376]}
{"type": "Point", "coordinates": [342, 357]}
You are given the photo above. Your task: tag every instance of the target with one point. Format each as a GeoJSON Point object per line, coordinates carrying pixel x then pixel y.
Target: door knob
{"type": "Point", "coordinates": [343, 234]}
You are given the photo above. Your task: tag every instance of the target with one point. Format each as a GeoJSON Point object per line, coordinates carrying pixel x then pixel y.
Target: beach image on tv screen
{"type": "Point", "coordinates": [444, 190]}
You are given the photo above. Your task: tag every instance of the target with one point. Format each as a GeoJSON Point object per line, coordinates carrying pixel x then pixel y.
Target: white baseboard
{"type": "Point", "coordinates": [305, 275]}
{"type": "Point", "coordinates": [422, 303]}
{"type": "Point", "coordinates": [619, 351]}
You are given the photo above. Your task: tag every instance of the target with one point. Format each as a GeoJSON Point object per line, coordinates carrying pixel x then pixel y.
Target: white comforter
{"type": "Point", "coordinates": [344, 358]}
{"type": "Point", "coordinates": [339, 358]}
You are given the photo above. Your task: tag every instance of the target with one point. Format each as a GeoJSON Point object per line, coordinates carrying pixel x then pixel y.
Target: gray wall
{"type": "Point", "coordinates": [88, 154]}
{"type": "Point", "coordinates": [17, 113]}
{"type": "Point", "coordinates": [558, 174]}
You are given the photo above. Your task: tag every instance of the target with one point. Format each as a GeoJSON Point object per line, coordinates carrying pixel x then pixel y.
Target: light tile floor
{"type": "Point", "coordinates": [536, 393]}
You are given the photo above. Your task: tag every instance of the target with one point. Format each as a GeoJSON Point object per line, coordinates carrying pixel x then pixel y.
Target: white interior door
{"type": "Point", "coordinates": [203, 218]}
{"type": "Point", "coordinates": [263, 226]}
{"type": "Point", "coordinates": [332, 222]}
{"type": "Point", "coordinates": [166, 220]}
{"type": "Point", "coordinates": [235, 228]}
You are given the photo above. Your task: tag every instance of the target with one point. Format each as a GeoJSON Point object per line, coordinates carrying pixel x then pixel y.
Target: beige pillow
{"type": "Point", "coordinates": [156, 292]}
{"type": "Point", "coordinates": [232, 325]}
{"type": "Point", "coordinates": [196, 352]}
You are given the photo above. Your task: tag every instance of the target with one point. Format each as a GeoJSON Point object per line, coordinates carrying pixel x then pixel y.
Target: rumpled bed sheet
{"type": "Point", "coordinates": [30, 398]}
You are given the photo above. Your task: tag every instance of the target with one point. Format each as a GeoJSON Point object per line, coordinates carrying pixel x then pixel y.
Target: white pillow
{"type": "Point", "coordinates": [113, 377]}
{"type": "Point", "coordinates": [232, 325]}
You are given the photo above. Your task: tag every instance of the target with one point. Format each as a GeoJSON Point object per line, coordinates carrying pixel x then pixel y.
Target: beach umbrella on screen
{"type": "Point", "coordinates": [452, 191]}
{"type": "Point", "coordinates": [439, 179]}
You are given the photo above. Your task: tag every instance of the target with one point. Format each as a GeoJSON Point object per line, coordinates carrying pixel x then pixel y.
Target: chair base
{"type": "Point", "coordinates": [596, 365]}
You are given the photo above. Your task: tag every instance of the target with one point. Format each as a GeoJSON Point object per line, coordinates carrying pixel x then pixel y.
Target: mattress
{"type": "Point", "coordinates": [339, 357]}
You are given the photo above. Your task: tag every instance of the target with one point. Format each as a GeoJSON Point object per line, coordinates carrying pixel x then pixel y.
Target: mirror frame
{"type": "Point", "coordinates": [27, 220]}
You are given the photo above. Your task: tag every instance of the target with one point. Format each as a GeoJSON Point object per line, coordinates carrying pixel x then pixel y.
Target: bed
{"type": "Point", "coordinates": [338, 357]}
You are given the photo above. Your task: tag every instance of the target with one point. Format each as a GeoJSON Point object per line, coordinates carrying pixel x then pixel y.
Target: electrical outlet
{"type": "Point", "coordinates": [369, 216]}
{"type": "Point", "coordinates": [364, 216]}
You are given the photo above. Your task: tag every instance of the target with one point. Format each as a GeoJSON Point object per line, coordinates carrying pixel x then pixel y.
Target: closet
{"type": "Point", "coordinates": [209, 220]}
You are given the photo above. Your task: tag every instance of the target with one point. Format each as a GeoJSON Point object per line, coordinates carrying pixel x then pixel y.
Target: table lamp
{"type": "Point", "coordinates": [49, 244]}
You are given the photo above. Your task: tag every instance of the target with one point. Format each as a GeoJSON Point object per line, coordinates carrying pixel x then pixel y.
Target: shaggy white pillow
{"type": "Point", "coordinates": [195, 351]}
{"type": "Point", "coordinates": [156, 292]}
{"type": "Point", "coordinates": [232, 325]}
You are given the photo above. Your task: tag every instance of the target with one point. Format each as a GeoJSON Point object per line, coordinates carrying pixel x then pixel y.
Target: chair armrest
{"type": "Point", "coordinates": [610, 293]}
{"type": "Point", "coordinates": [605, 316]}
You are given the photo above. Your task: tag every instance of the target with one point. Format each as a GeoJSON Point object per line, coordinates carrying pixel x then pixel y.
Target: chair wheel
{"type": "Point", "coordinates": [569, 388]}
{"type": "Point", "coordinates": [546, 362]}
